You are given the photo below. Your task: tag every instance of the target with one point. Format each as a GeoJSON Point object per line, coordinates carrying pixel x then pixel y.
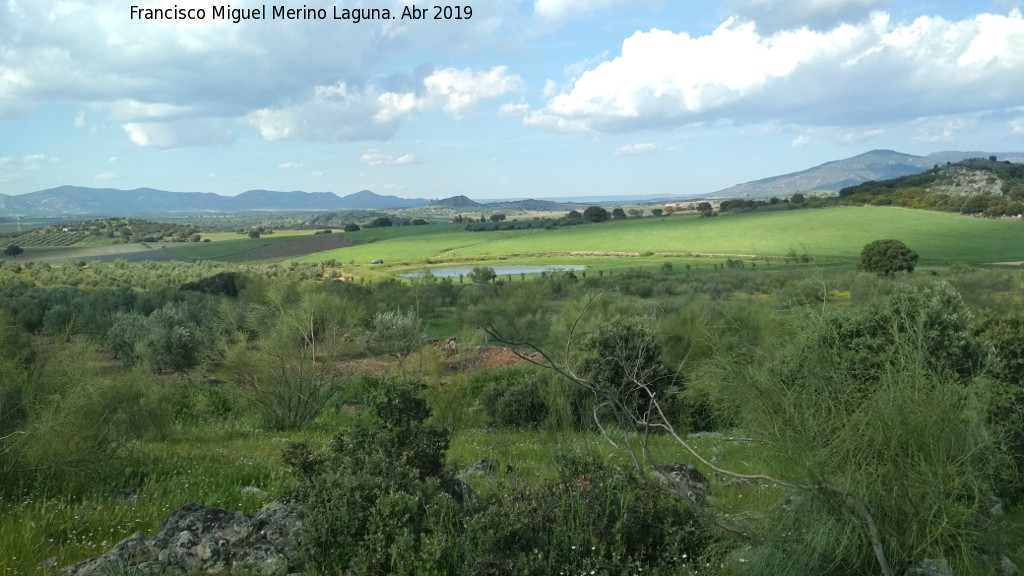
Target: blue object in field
{"type": "Point", "coordinates": [377, 262]}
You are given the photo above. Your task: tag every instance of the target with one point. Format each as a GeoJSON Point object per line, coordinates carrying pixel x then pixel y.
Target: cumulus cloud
{"type": "Point", "coordinates": [375, 158]}
{"type": "Point", "coordinates": [453, 90]}
{"type": "Point", "coordinates": [290, 166]}
{"type": "Point", "coordinates": [335, 113]}
{"type": "Point", "coordinates": [1017, 126]}
{"type": "Point", "coordinates": [772, 16]}
{"type": "Point", "coordinates": [635, 149]}
{"type": "Point", "coordinates": [157, 79]}
{"type": "Point", "coordinates": [852, 75]}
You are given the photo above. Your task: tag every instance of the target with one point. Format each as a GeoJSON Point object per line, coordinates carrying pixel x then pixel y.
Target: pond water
{"type": "Point", "coordinates": [456, 271]}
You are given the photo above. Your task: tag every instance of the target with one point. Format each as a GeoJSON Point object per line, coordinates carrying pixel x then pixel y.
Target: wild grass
{"type": "Point", "coordinates": [227, 466]}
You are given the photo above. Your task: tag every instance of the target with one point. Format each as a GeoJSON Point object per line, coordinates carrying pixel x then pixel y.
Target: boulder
{"type": "Point", "coordinates": [686, 477]}
{"type": "Point", "coordinates": [195, 539]}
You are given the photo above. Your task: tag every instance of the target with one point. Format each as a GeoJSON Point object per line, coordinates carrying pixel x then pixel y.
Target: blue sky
{"type": "Point", "coordinates": [528, 98]}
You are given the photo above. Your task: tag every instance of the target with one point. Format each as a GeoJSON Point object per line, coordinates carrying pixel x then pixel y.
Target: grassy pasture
{"type": "Point", "coordinates": [828, 234]}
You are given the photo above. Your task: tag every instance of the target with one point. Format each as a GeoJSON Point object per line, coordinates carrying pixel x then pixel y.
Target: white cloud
{"type": "Point", "coordinates": [88, 52]}
{"type": "Point", "coordinates": [290, 166]}
{"type": "Point", "coordinates": [518, 110]}
{"type": "Point", "coordinates": [122, 111]}
{"type": "Point", "coordinates": [453, 90]}
{"type": "Point", "coordinates": [36, 161]}
{"type": "Point", "coordinates": [940, 130]}
{"type": "Point", "coordinates": [107, 176]}
{"type": "Point", "coordinates": [635, 149]}
{"type": "Point", "coordinates": [1017, 126]}
{"type": "Point", "coordinates": [772, 15]}
{"type": "Point", "coordinates": [375, 158]}
{"type": "Point", "coordinates": [552, 10]}
{"type": "Point", "coordinates": [852, 75]}
{"type": "Point", "coordinates": [800, 141]}
{"type": "Point", "coordinates": [550, 89]}
{"type": "Point", "coordinates": [181, 133]}
{"type": "Point", "coordinates": [335, 113]}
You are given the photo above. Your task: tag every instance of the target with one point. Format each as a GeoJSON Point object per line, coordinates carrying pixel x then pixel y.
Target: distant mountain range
{"type": "Point", "coordinates": [79, 201]}
{"type": "Point", "coordinates": [836, 175]}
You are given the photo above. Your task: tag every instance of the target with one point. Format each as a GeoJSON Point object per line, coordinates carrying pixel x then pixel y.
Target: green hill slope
{"type": "Point", "coordinates": [838, 233]}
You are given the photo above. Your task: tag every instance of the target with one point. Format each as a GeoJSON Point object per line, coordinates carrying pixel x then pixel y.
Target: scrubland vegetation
{"type": "Point", "coordinates": [847, 422]}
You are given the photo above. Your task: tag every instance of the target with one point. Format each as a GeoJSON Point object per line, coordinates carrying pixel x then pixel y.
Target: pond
{"type": "Point", "coordinates": [457, 271]}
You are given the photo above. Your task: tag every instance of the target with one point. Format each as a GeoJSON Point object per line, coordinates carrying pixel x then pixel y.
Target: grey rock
{"type": "Point", "coordinates": [487, 466]}
{"type": "Point", "coordinates": [930, 567]}
{"type": "Point", "coordinates": [252, 491]}
{"type": "Point", "coordinates": [1006, 566]}
{"type": "Point", "coordinates": [686, 477]}
{"type": "Point", "coordinates": [995, 506]}
{"type": "Point", "coordinates": [196, 539]}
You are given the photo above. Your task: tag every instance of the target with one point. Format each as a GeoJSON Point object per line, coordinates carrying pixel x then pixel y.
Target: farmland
{"type": "Point", "coordinates": [827, 235]}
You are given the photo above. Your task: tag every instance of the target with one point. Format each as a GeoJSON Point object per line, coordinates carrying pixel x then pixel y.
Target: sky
{"type": "Point", "coordinates": [519, 99]}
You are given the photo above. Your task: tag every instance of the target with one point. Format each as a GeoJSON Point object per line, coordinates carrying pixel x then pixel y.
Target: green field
{"type": "Point", "coordinates": [828, 234]}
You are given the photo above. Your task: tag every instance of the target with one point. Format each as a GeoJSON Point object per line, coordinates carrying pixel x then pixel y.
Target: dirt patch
{"type": "Point", "coordinates": [302, 246]}
{"type": "Point", "coordinates": [375, 366]}
{"type": "Point", "coordinates": [490, 357]}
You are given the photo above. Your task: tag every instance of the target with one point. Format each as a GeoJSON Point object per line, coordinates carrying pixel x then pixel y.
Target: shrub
{"type": "Point", "coordinates": [512, 399]}
{"type": "Point", "coordinates": [870, 412]}
{"type": "Point", "coordinates": [623, 358]}
{"type": "Point", "coordinates": [482, 274]}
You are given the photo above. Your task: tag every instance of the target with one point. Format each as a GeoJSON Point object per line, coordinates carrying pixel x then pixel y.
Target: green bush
{"type": "Point", "coordinates": [513, 400]}
{"type": "Point", "coordinates": [72, 422]}
{"type": "Point", "coordinates": [370, 507]}
{"type": "Point", "coordinates": [876, 406]}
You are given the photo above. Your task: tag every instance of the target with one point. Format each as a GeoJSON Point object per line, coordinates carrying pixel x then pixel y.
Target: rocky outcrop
{"type": "Point", "coordinates": [196, 539]}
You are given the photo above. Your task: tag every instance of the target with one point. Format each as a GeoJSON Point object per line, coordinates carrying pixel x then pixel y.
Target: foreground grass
{"type": "Point", "coordinates": [239, 468]}
{"type": "Point", "coordinates": [228, 467]}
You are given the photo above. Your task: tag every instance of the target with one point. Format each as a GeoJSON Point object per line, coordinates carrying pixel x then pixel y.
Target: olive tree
{"type": "Point", "coordinates": [396, 334]}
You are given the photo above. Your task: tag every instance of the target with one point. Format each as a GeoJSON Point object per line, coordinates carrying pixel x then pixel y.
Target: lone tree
{"type": "Point", "coordinates": [13, 250]}
{"type": "Point", "coordinates": [396, 334]}
{"type": "Point", "coordinates": [705, 209]}
{"type": "Point", "coordinates": [619, 214]}
{"type": "Point", "coordinates": [595, 214]}
{"type": "Point", "coordinates": [887, 257]}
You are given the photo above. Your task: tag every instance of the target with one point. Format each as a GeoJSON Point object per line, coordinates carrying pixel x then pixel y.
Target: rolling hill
{"type": "Point", "coordinates": [838, 174]}
{"type": "Point", "coordinates": [77, 200]}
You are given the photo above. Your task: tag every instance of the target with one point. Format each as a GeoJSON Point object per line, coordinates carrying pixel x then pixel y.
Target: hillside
{"type": "Point", "coordinates": [985, 186]}
{"type": "Point", "coordinates": [456, 202]}
{"type": "Point", "coordinates": [833, 176]}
